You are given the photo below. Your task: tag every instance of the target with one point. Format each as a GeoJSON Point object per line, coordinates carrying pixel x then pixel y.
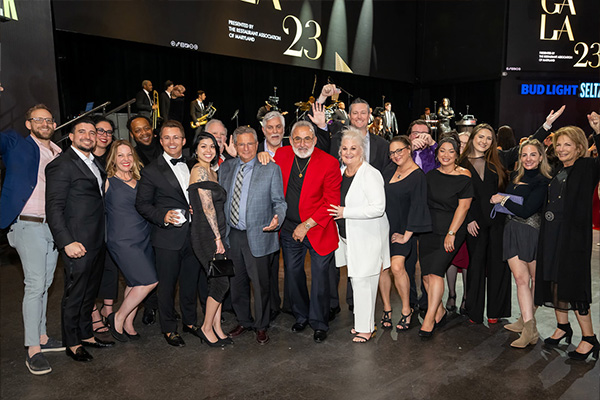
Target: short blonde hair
{"type": "Point", "coordinates": [576, 135]}
{"type": "Point", "coordinates": [353, 134]}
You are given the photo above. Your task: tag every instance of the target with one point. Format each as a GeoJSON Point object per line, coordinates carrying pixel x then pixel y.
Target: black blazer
{"type": "Point", "coordinates": [195, 110]}
{"type": "Point", "coordinates": [142, 103]}
{"type": "Point", "coordinates": [393, 123]}
{"type": "Point", "coordinates": [164, 104]}
{"type": "Point", "coordinates": [158, 192]}
{"type": "Point", "coordinates": [379, 148]}
{"type": "Point", "coordinates": [74, 204]}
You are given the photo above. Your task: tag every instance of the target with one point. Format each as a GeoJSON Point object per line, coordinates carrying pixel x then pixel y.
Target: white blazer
{"type": "Point", "coordinates": [367, 246]}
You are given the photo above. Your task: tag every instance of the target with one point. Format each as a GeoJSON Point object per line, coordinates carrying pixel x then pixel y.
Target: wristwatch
{"type": "Point", "coordinates": [307, 225]}
{"type": "Point", "coordinates": [451, 233]}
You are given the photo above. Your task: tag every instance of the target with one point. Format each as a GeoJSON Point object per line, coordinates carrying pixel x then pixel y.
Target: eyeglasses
{"type": "Point", "coordinates": [39, 120]}
{"type": "Point", "coordinates": [298, 139]}
{"type": "Point", "coordinates": [103, 132]}
{"type": "Point", "coordinates": [397, 152]}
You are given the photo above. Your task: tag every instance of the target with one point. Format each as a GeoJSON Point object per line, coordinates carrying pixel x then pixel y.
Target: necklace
{"type": "Point", "coordinates": [301, 174]}
{"type": "Point", "coordinates": [123, 180]}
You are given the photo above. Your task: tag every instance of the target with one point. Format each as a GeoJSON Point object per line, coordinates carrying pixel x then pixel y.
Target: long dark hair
{"type": "Point", "coordinates": [202, 136]}
{"type": "Point", "coordinates": [492, 160]}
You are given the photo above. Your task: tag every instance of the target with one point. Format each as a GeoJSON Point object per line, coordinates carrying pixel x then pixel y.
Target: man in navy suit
{"type": "Point", "coordinates": [75, 212]}
{"type": "Point", "coordinates": [23, 208]}
{"type": "Point", "coordinates": [252, 222]}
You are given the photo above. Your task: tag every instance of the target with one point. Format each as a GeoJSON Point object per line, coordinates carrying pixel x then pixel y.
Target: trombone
{"type": "Point", "coordinates": [155, 113]}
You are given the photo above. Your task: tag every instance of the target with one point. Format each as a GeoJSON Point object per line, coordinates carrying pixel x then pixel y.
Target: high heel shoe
{"type": "Point", "coordinates": [463, 306]}
{"type": "Point", "coordinates": [204, 339]}
{"type": "Point", "coordinates": [442, 321]}
{"type": "Point", "coordinates": [453, 307]}
{"type": "Point", "coordinates": [121, 337]}
{"type": "Point", "coordinates": [574, 355]}
{"type": "Point", "coordinates": [567, 336]}
{"type": "Point", "coordinates": [224, 341]}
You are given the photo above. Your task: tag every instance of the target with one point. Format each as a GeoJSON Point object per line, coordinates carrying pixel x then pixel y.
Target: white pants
{"type": "Point", "coordinates": [365, 295]}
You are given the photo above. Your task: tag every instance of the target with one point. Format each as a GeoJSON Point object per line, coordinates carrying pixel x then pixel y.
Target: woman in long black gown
{"type": "Point", "coordinates": [208, 198]}
{"type": "Point", "coordinates": [128, 237]}
{"type": "Point", "coordinates": [563, 276]}
{"type": "Point", "coordinates": [407, 212]}
{"type": "Point", "coordinates": [449, 194]}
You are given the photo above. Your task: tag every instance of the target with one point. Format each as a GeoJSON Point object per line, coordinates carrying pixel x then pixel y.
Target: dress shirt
{"type": "Point", "coordinates": [182, 173]}
{"type": "Point", "coordinates": [148, 95]}
{"type": "Point", "coordinates": [271, 153]}
{"type": "Point", "coordinates": [36, 204]}
{"type": "Point", "coordinates": [89, 161]}
{"type": "Point", "coordinates": [241, 225]}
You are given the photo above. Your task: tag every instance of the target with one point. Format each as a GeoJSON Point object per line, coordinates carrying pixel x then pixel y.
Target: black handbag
{"type": "Point", "coordinates": [219, 266]}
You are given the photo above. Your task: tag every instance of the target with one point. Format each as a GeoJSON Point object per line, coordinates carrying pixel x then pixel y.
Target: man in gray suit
{"type": "Point", "coordinates": [252, 222]}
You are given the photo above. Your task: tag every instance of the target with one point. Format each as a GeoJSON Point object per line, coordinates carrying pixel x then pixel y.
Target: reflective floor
{"type": "Point", "coordinates": [462, 361]}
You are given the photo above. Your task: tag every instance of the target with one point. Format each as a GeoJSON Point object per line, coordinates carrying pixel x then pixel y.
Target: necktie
{"type": "Point", "coordinates": [237, 194]}
{"type": "Point", "coordinates": [174, 161]}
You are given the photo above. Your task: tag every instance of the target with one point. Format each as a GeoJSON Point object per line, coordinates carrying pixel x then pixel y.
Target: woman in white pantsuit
{"type": "Point", "coordinates": [363, 229]}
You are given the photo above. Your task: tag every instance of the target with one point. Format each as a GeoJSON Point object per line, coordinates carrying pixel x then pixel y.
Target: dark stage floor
{"type": "Point", "coordinates": [462, 361]}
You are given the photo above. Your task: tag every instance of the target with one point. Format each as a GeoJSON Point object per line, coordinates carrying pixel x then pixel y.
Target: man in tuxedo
{"type": "Point", "coordinates": [75, 213]}
{"type": "Point", "coordinates": [164, 100]}
{"type": "Point", "coordinates": [216, 128]}
{"type": "Point", "coordinates": [341, 115]}
{"type": "Point", "coordinates": [143, 100]}
{"type": "Point", "coordinates": [311, 181]}
{"type": "Point", "coordinates": [252, 222]}
{"type": "Point", "coordinates": [23, 208]}
{"type": "Point", "coordinates": [390, 124]}
{"type": "Point", "coordinates": [197, 107]}
{"type": "Point", "coordinates": [162, 191]}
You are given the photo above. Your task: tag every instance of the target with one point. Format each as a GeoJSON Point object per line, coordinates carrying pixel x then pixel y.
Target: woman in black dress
{"type": "Point", "coordinates": [449, 194]}
{"type": "Point", "coordinates": [563, 276]}
{"type": "Point", "coordinates": [407, 212]}
{"type": "Point", "coordinates": [521, 232]}
{"type": "Point", "coordinates": [128, 237]}
{"type": "Point", "coordinates": [208, 198]}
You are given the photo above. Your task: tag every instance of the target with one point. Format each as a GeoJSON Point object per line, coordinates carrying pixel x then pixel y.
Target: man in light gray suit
{"type": "Point", "coordinates": [254, 210]}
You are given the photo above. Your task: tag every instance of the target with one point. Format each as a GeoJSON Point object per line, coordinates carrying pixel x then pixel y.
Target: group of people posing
{"type": "Point", "coordinates": [348, 198]}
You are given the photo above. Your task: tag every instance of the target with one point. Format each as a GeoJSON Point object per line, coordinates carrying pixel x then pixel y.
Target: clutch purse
{"type": "Point", "coordinates": [219, 266]}
{"type": "Point", "coordinates": [499, 208]}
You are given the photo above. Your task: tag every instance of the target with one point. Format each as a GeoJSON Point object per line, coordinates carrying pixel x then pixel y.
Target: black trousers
{"type": "Point", "coordinates": [485, 261]}
{"type": "Point", "coordinates": [249, 269]}
{"type": "Point", "coordinates": [109, 284]}
{"type": "Point", "coordinates": [82, 279]}
{"type": "Point", "coordinates": [173, 266]}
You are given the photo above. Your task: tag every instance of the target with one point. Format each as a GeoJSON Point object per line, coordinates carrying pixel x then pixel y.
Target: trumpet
{"type": "Point", "coordinates": [155, 113]}
{"type": "Point", "coordinates": [210, 111]}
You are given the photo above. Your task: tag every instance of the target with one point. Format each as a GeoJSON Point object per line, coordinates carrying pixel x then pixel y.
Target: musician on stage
{"type": "Point", "coordinates": [197, 108]}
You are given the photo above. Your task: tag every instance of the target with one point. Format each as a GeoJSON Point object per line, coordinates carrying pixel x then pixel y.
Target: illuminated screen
{"type": "Point", "coordinates": [367, 37]}
{"type": "Point", "coordinates": [553, 35]}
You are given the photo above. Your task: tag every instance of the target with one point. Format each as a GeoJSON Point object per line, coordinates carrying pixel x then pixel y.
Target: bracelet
{"type": "Point", "coordinates": [217, 239]}
{"type": "Point", "coordinates": [451, 233]}
{"type": "Point", "coordinates": [504, 200]}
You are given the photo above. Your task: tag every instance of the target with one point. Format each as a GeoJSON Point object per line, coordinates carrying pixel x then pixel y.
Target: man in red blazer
{"type": "Point", "coordinates": [311, 181]}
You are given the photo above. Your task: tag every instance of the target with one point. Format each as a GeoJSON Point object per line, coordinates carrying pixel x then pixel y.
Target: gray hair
{"type": "Point", "coordinates": [212, 122]}
{"type": "Point", "coordinates": [355, 135]}
{"type": "Point", "coordinates": [240, 130]}
{"type": "Point", "coordinates": [270, 115]}
{"type": "Point", "coordinates": [307, 124]}
{"type": "Point", "coordinates": [358, 101]}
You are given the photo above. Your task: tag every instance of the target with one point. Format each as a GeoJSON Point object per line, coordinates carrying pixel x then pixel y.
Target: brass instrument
{"type": "Point", "coordinates": [155, 113]}
{"type": "Point", "coordinates": [208, 114]}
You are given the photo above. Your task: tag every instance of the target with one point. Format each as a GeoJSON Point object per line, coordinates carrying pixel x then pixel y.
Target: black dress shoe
{"type": "Point", "coordinates": [320, 336]}
{"type": "Point", "coordinates": [98, 344]}
{"type": "Point", "coordinates": [193, 330]}
{"type": "Point", "coordinates": [299, 326]}
{"type": "Point", "coordinates": [174, 339]}
{"type": "Point", "coordinates": [262, 337]}
{"type": "Point", "coordinates": [80, 354]}
{"type": "Point", "coordinates": [149, 316]}
{"type": "Point", "coordinates": [333, 311]}
{"type": "Point", "coordinates": [237, 331]}
{"type": "Point", "coordinates": [120, 336]}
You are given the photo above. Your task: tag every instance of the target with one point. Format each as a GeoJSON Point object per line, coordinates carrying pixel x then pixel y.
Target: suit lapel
{"type": "Point", "coordinates": [167, 172]}
{"type": "Point", "coordinates": [82, 165]}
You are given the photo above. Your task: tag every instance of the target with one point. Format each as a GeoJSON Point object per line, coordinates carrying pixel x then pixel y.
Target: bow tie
{"type": "Point", "coordinates": [174, 161]}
